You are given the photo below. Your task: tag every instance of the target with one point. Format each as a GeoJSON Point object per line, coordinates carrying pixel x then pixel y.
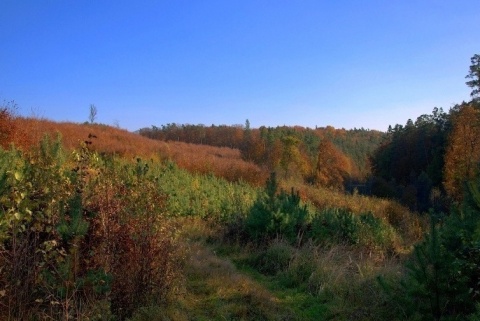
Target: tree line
{"type": "Point", "coordinates": [323, 156]}
{"type": "Point", "coordinates": [427, 163]}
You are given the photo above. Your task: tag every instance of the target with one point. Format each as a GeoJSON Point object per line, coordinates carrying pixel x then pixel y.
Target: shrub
{"type": "Point", "coordinates": [135, 240]}
{"type": "Point", "coordinates": [204, 196]}
{"type": "Point", "coordinates": [277, 215]}
{"type": "Point", "coordinates": [342, 226]}
{"type": "Point", "coordinates": [45, 268]}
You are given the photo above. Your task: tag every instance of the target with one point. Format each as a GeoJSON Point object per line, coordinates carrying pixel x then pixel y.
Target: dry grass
{"type": "Point", "coordinates": [108, 139]}
{"type": "Point", "coordinates": [223, 161]}
{"type": "Point", "coordinates": [337, 282]}
{"type": "Point", "coordinates": [410, 225]}
{"type": "Point", "coordinates": [347, 278]}
{"type": "Point", "coordinates": [220, 161]}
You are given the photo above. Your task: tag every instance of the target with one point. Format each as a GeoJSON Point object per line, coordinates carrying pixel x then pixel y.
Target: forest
{"type": "Point", "coordinates": [196, 222]}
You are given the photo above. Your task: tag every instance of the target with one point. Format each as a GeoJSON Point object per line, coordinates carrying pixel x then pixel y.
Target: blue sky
{"type": "Point", "coordinates": [310, 63]}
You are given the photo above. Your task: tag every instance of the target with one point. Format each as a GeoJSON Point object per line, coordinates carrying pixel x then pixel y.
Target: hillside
{"type": "Point", "coordinates": [103, 224]}
{"type": "Point", "coordinates": [222, 161]}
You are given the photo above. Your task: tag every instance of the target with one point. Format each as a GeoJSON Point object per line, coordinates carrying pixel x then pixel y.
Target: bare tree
{"type": "Point", "coordinates": [93, 113]}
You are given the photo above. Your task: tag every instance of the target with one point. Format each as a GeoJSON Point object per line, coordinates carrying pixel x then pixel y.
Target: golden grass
{"type": "Point", "coordinates": [220, 161]}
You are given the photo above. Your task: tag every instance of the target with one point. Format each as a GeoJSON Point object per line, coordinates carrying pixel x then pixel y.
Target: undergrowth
{"type": "Point", "coordinates": [81, 236]}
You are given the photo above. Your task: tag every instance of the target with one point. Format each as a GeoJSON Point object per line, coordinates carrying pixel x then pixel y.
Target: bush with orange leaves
{"type": "Point", "coordinates": [7, 125]}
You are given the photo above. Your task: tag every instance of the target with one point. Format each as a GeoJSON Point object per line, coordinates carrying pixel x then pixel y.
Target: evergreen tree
{"type": "Point", "coordinates": [276, 215]}
{"type": "Point", "coordinates": [443, 279]}
{"type": "Point", "coordinates": [474, 75]}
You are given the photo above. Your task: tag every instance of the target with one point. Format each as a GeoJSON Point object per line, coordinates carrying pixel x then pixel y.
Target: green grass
{"type": "Point", "coordinates": [320, 283]}
{"type": "Point", "coordinates": [304, 306]}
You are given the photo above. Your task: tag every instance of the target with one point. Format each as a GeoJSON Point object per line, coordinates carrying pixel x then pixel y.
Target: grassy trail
{"type": "Point", "coordinates": [216, 290]}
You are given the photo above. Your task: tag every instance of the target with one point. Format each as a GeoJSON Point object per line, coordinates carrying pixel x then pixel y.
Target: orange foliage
{"type": "Point", "coordinates": [332, 166]}
{"type": "Point", "coordinates": [10, 131]}
{"type": "Point", "coordinates": [106, 139]}
{"type": "Point", "coordinates": [463, 151]}
{"type": "Point", "coordinates": [7, 127]}
{"type": "Point", "coordinates": [220, 161]}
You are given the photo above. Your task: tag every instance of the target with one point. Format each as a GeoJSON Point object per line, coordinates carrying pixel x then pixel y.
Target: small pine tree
{"type": "Point", "coordinates": [443, 281]}
{"type": "Point", "coordinates": [276, 214]}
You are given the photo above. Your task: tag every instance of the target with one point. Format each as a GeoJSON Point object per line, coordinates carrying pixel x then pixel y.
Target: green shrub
{"type": "Point", "coordinates": [343, 226]}
{"type": "Point", "coordinates": [204, 196]}
{"type": "Point", "coordinates": [442, 280]}
{"type": "Point", "coordinates": [276, 215]}
{"type": "Point", "coordinates": [46, 268]}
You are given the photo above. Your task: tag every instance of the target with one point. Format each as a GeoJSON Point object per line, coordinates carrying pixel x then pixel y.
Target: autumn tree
{"type": "Point", "coordinates": [463, 152]}
{"type": "Point", "coordinates": [332, 166]}
{"type": "Point", "coordinates": [291, 156]}
{"type": "Point", "coordinates": [253, 148]}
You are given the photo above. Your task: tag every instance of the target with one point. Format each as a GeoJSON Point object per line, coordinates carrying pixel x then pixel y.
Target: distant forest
{"type": "Point", "coordinates": [424, 163]}
{"type": "Point", "coordinates": [325, 156]}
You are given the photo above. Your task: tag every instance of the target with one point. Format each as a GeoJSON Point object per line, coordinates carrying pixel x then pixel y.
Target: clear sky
{"type": "Point", "coordinates": [312, 63]}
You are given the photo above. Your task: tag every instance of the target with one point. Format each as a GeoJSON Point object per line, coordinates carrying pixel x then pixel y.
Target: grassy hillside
{"type": "Point", "coordinates": [109, 225]}
{"type": "Point", "coordinates": [222, 161]}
